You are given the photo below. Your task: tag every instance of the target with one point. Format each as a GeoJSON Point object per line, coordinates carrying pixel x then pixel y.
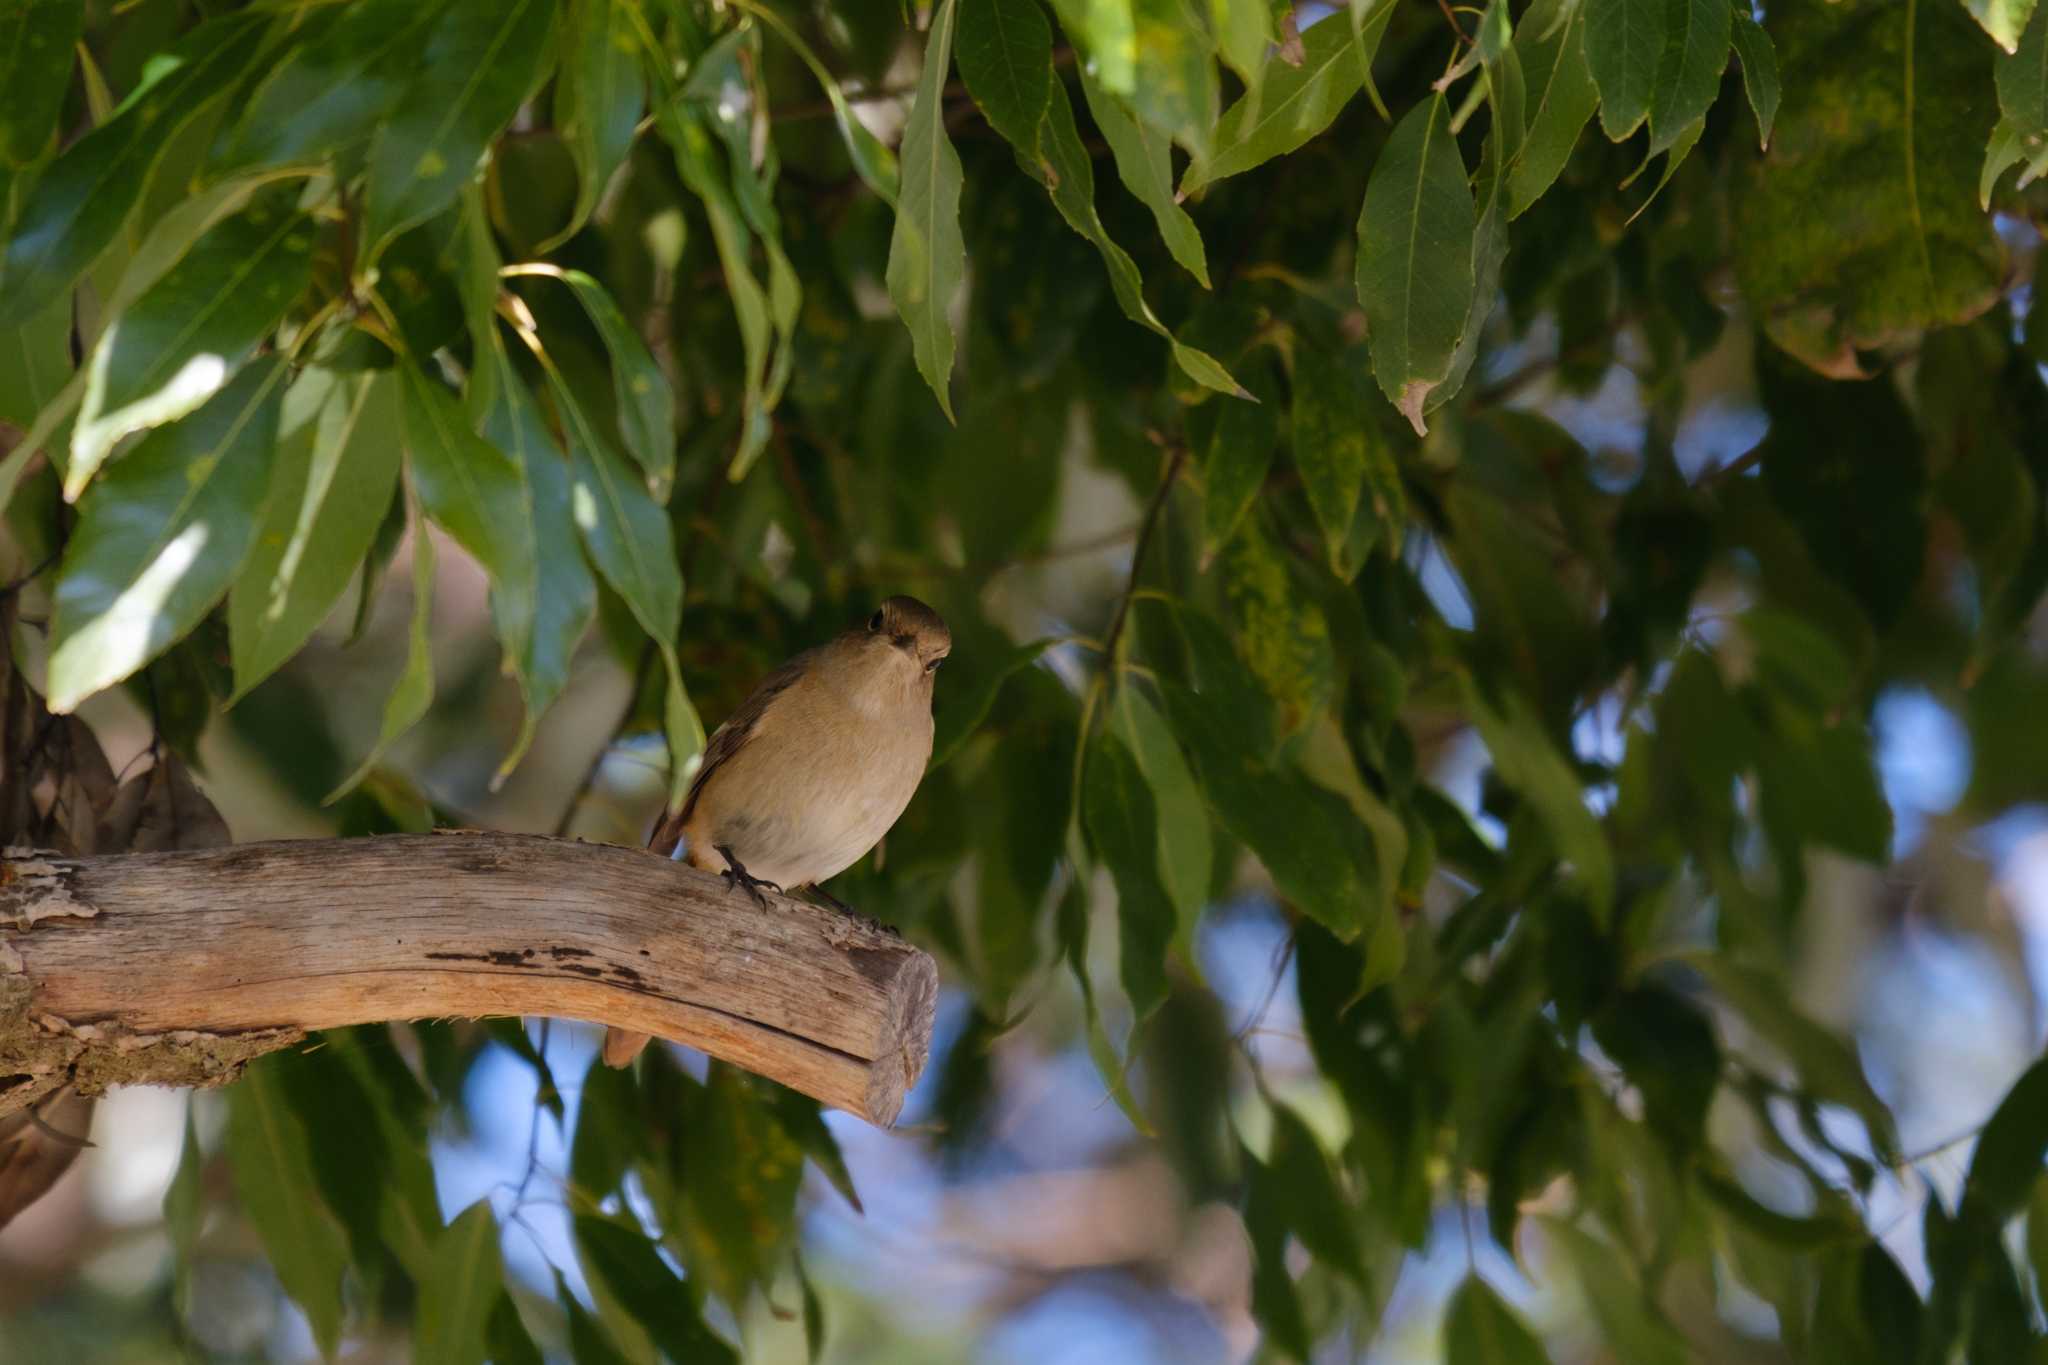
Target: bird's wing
{"type": "Point", "coordinates": [726, 741]}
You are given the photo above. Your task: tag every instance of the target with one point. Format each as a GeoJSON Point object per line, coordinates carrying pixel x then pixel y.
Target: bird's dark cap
{"type": "Point", "coordinates": [901, 616]}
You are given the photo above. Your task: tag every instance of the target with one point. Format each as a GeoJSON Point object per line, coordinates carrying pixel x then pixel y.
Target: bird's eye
{"type": "Point", "coordinates": [875, 622]}
{"type": "Point", "coordinates": [933, 666]}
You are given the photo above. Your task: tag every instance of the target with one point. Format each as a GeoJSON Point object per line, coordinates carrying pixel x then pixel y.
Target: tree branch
{"type": "Point", "coordinates": [176, 968]}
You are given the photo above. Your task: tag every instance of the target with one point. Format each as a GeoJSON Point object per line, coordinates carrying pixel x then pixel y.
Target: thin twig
{"type": "Point", "coordinates": [1174, 462]}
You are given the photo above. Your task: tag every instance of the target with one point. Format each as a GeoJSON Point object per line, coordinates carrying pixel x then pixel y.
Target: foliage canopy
{"type": "Point", "coordinates": [1536, 440]}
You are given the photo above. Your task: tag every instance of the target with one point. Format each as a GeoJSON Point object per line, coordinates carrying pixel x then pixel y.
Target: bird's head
{"type": "Point", "coordinates": [910, 630]}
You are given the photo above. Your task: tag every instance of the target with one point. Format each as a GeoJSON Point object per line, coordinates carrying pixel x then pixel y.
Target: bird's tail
{"type": "Point", "coordinates": [622, 1046]}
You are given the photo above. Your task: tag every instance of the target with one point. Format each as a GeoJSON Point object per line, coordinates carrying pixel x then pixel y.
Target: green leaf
{"type": "Point", "coordinates": [927, 254]}
{"type": "Point", "coordinates": [80, 202]}
{"type": "Point", "coordinates": [1343, 456]}
{"type": "Point", "coordinates": [963, 702]}
{"type": "Point", "coordinates": [2023, 81]}
{"type": "Point", "coordinates": [1144, 163]}
{"type": "Point", "coordinates": [2006, 1165]}
{"type": "Point", "coordinates": [337, 464]}
{"type": "Point", "coordinates": [606, 1113]}
{"type": "Point", "coordinates": [474, 491]}
{"type": "Point", "coordinates": [1626, 42]}
{"type": "Point", "coordinates": [1281, 631]}
{"type": "Point", "coordinates": [1759, 71]}
{"type": "Point", "coordinates": [801, 1120]}
{"type": "Point", "coordinates": [1414, 271]}
{"type": "Point", "coordinates": [1636, 1331]}
{"type": "Point", "coordinates": [626, 1262]}
{"type": "Point", "coordinates": [630, 540]}
{"type": "Point", "coordinates": [275, 1182]}
{"type": "Point", "coordinates": [1186, 854]}
{"type": "Point", "coordinates": [599, 96]}
{"type": "Point", "coordinates": [1291, 105]}
{"type": "Point", "coordinates": [463, 1285]}
{"type": "Point", "coordinates": [328, 91]}
{"type": "Point", "coordinates": [1072, 925]}
{"type": "Point", "coordinates": [1107, 32]}
{"type": "Point", "coordinates": [1297, 1176]}
{"type": "Point", "coordinates": [506, 1337]}
{"type": "Point", "coordinates": [565, 597]}
{"type": "Point", "coordinates": [1118, 809]}
{"type": "Point", "coordinates": [35, 366]}
{"type": "Point", "coordinates": [1666, 1046]}
{"type": "Point", "coordinates": [162, 535]}
{"type": "Point", "coordinates": [478, 63]}
{"type": "Point", "coordinates": [1858, 226]}
{"type": "Point", "coordinates": [177, 344]}
{"type": "Point", "coordinates": [588, 1343]}
{"type": "Point", "coordinates": [1481, 1330]}
{"type": "Point", "coordinates": [36, 42]}
{"type": "Point", "coordinates": [413, 693]}
{"type": "Point", "coordinates": [1069, 176]}
{"type": "Point", "coordinates": [646, 404]}
{"type": "Point", "coordinates": [739, 1184]}
{"type": "Point", "coordinates": [1560, 97]}
{"type": "Point", "coordinates": [184, 1204]}
{"type": "Point", "coordinates": [2004, 20]}
{"type": "Point", "coordinates": [1689, 73]}
{"type": "Point", "coordinates": [1174, 87]}
{"type": "Point", "coordinates": [1005, 56]}
{"type": "Point", "coordinates": [1531, 764]}
{"type": "Point", "coordinates": [1235, 459]}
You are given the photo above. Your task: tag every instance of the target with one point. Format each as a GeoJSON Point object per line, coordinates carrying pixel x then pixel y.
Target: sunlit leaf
{"type": "Point", "coordinates": [162, 535]}
{"type": "Point", "coordinates": [1291, 105]}
{"type": "Point", "coordinates": [2004, 20]}
{"type": "Point", "coordinates": [1144, 163]}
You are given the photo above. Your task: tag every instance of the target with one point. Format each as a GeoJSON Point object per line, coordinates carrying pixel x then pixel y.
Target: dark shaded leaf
{"type": "Point", "coordinates": [628, 1265]}
{"type": "Point", "coordinates": [1005, 56]}
{"type": "Point", "coordinates": [464, 1284]}
{"type": "Point", "coordinates": [927, 254]}
{"type": "Point", "coordinates": [36, 39]}
{"type": "Point", "coordinates": [1481, 1330]}
{"type": "Point", "coordinates": [274, 1178]}
{"type": "Point", "coordinates": [1123, 830]}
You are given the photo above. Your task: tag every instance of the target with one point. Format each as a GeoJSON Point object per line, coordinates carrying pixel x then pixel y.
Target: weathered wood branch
{"type": "Point", "coordinates": [175, 968]}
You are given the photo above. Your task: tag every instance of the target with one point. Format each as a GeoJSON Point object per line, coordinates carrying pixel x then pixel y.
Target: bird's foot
{"type": "Point", "coordinates": [843, 908]}
{"type": "Point", "coordinates": [736, 875]}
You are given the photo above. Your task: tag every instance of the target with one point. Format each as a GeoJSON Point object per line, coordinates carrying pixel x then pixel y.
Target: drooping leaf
{"type": "Point", "coordinates": [1144, 163]}
{"type": "Point", "coordinates": [1759, 57]}
{"type": "Point", "coordinates": [1634, 1328]}
{"type": "Point", "coordinates": [1123, 829]}
{"type": "Point", "coordinates": [927, 254]}
{"type": "Point", "coordinates": [645, 1287]}
{"type": "Point", "coordinates": [1297, 1176]}
{"type": "Point", "coordinates": [413, 693]}
{"type": "Point", "coordinates": [599, 95]}
{"type": "Point", "coordinates": [1626, 42]}
{"type": "Point", "coordinates": [1234, 464]}
{"type": "Point", "coordinates": [1559, 97]}
{"type": "Point", "coordinates": [1481, 1330]}
{"type": "Point", "coordinates": [337, 464]}
{"type": "Point", "coordinates": [35, 366]}
{"type": "Point", "coordinates": [464, 1284]}
{"type": "Point", "coordinates": [1529, 761]}
{"type": "Point", "coordinates": [328, 92]}
{"type": "Point", "coordinates": [1282, 632]}
{"type": "Point", "coordinates": [80, 202]}
{"type": "Point", "coordinates": [1689, 73]}
{"type": "Point", "coordinates": [478, 63]}
{"type": "Point", "coordinates": [1292, 104]}
{"type": "Point", "coordinates": [2004, 20]}
{"type": "Point", "coordinates": [963, 703]}
{"type": "Point", "coordinates": [1186, 851]}
{"type": "Point", "coordinates": [1004, 50]}
{"type": "Point", "coordinates": [1344, 457]}
{"type": "Point", "coordinates": [1414, 271]}
{"type": "Point", "coordinates": [162, 535]}
{"type": "Point", "coordinates": [183, 339]}
{"type": "Point", "coordinates": [1174, 81]}
{"type": "Point", "coordinates": [1666, 1046]}
{"type": "Point", "coordinates": [36, 40]}
{"type": "Point", "coordinates": [1858, 225]}
{"type": "Point", "coordinates": [274, 1179]}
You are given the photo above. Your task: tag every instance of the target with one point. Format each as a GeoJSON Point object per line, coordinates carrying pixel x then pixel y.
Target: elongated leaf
{"type": "Point", "coordinates": [1481, 1330]}
{"type": "Point", "coordinates": [1174, 85]}
{"type": "Point", "coordinates": [80, 202]}
{"type": "Point", "coordinates": [566, 597]}
{"type": "Point", "coordinates": [1414, 272]}
{"type": "Point", "coordinates": [927, 254]}
{"type": "Point", "coordinates": [1005, 56]}
{"type": "Point", "coordinates": [36, 39]}
{"type": "Point", "coordinates": [464, 1284]}
{"type": "Point", "coordinates": [336, 468]}
{"type": "Point", "coordinates": [1144, 162]}
{"type": "Point", "coordinates": [1689, 72]}
{"type": "Point", "coordinates": [630, 541]}
{"type": "Point", "coordinates": [964, 702]}
{"type": "Point", "coordinates": [646, 404]}
{"type": "Point", "coordinates": [1186, 853]}
{"type": "Point", "coordinates": [275, 1182]}
{"type": "Point", "coordinates": [1297, 1176]}
{"type": "Point", "coordinates": [1760, 71]}
{"type": "Point", "coordinates": [1342, 455]}
{"type": "Point", "coordinates": [1234, 464]}
{"type": "Point", "coordinates": [1106, 30]}
{"type": "Point", "coordinates": [35, 364]}
{"type": "Point", "coordinates": [176, 345]}
{"type": "Point", "coordinates": [599, 95]}
{"type": "Point", "coordinates": [329, 91]}
{"type": "Point", "coordinates": [1625, 45]}
{"type": "Point", "coordinates": [2004, 20]}
{"type": "Point", "coordinates": [1123, 829]}
{"type": "Point", "coordinates": [2023, 80]}
{"type": "Point", "coordinates": [1291, 105]}
{"type": "Point", "coordinates": [183, 1206]}
{"type": "Point", "coordinates": [1559, 97]}
{"type": "Point", "coordinates": [1527, 760]}
{"type": "Point", "coordinates": [413, 693]}
{"type": "Point", "coordinates": [1628, 1318]}
{"type": "Point", "coordinates": [645, 1287]}
{"type": "Point", "coordinates": [161, 537]}
{"type": "Point", "coordinates": [478, 63]}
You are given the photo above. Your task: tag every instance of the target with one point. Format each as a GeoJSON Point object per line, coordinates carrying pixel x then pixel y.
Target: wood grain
{"type": "Point", "coordinates": [321, 933]}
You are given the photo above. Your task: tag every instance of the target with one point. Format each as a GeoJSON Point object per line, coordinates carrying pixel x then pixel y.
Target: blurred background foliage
{"type": "Point", "coordinates": [1491, 800]}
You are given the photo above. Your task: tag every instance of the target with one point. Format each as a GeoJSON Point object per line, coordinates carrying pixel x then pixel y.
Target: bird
{"type": "Point", "coordinates": [813, 768]}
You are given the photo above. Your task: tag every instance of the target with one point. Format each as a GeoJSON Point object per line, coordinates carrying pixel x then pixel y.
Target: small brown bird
{"type": "Point", "coordinates": [814, 767]}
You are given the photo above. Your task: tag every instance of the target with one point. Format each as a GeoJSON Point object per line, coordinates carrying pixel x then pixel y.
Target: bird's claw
{"type": "Point", "coordinates": [735, 874]}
